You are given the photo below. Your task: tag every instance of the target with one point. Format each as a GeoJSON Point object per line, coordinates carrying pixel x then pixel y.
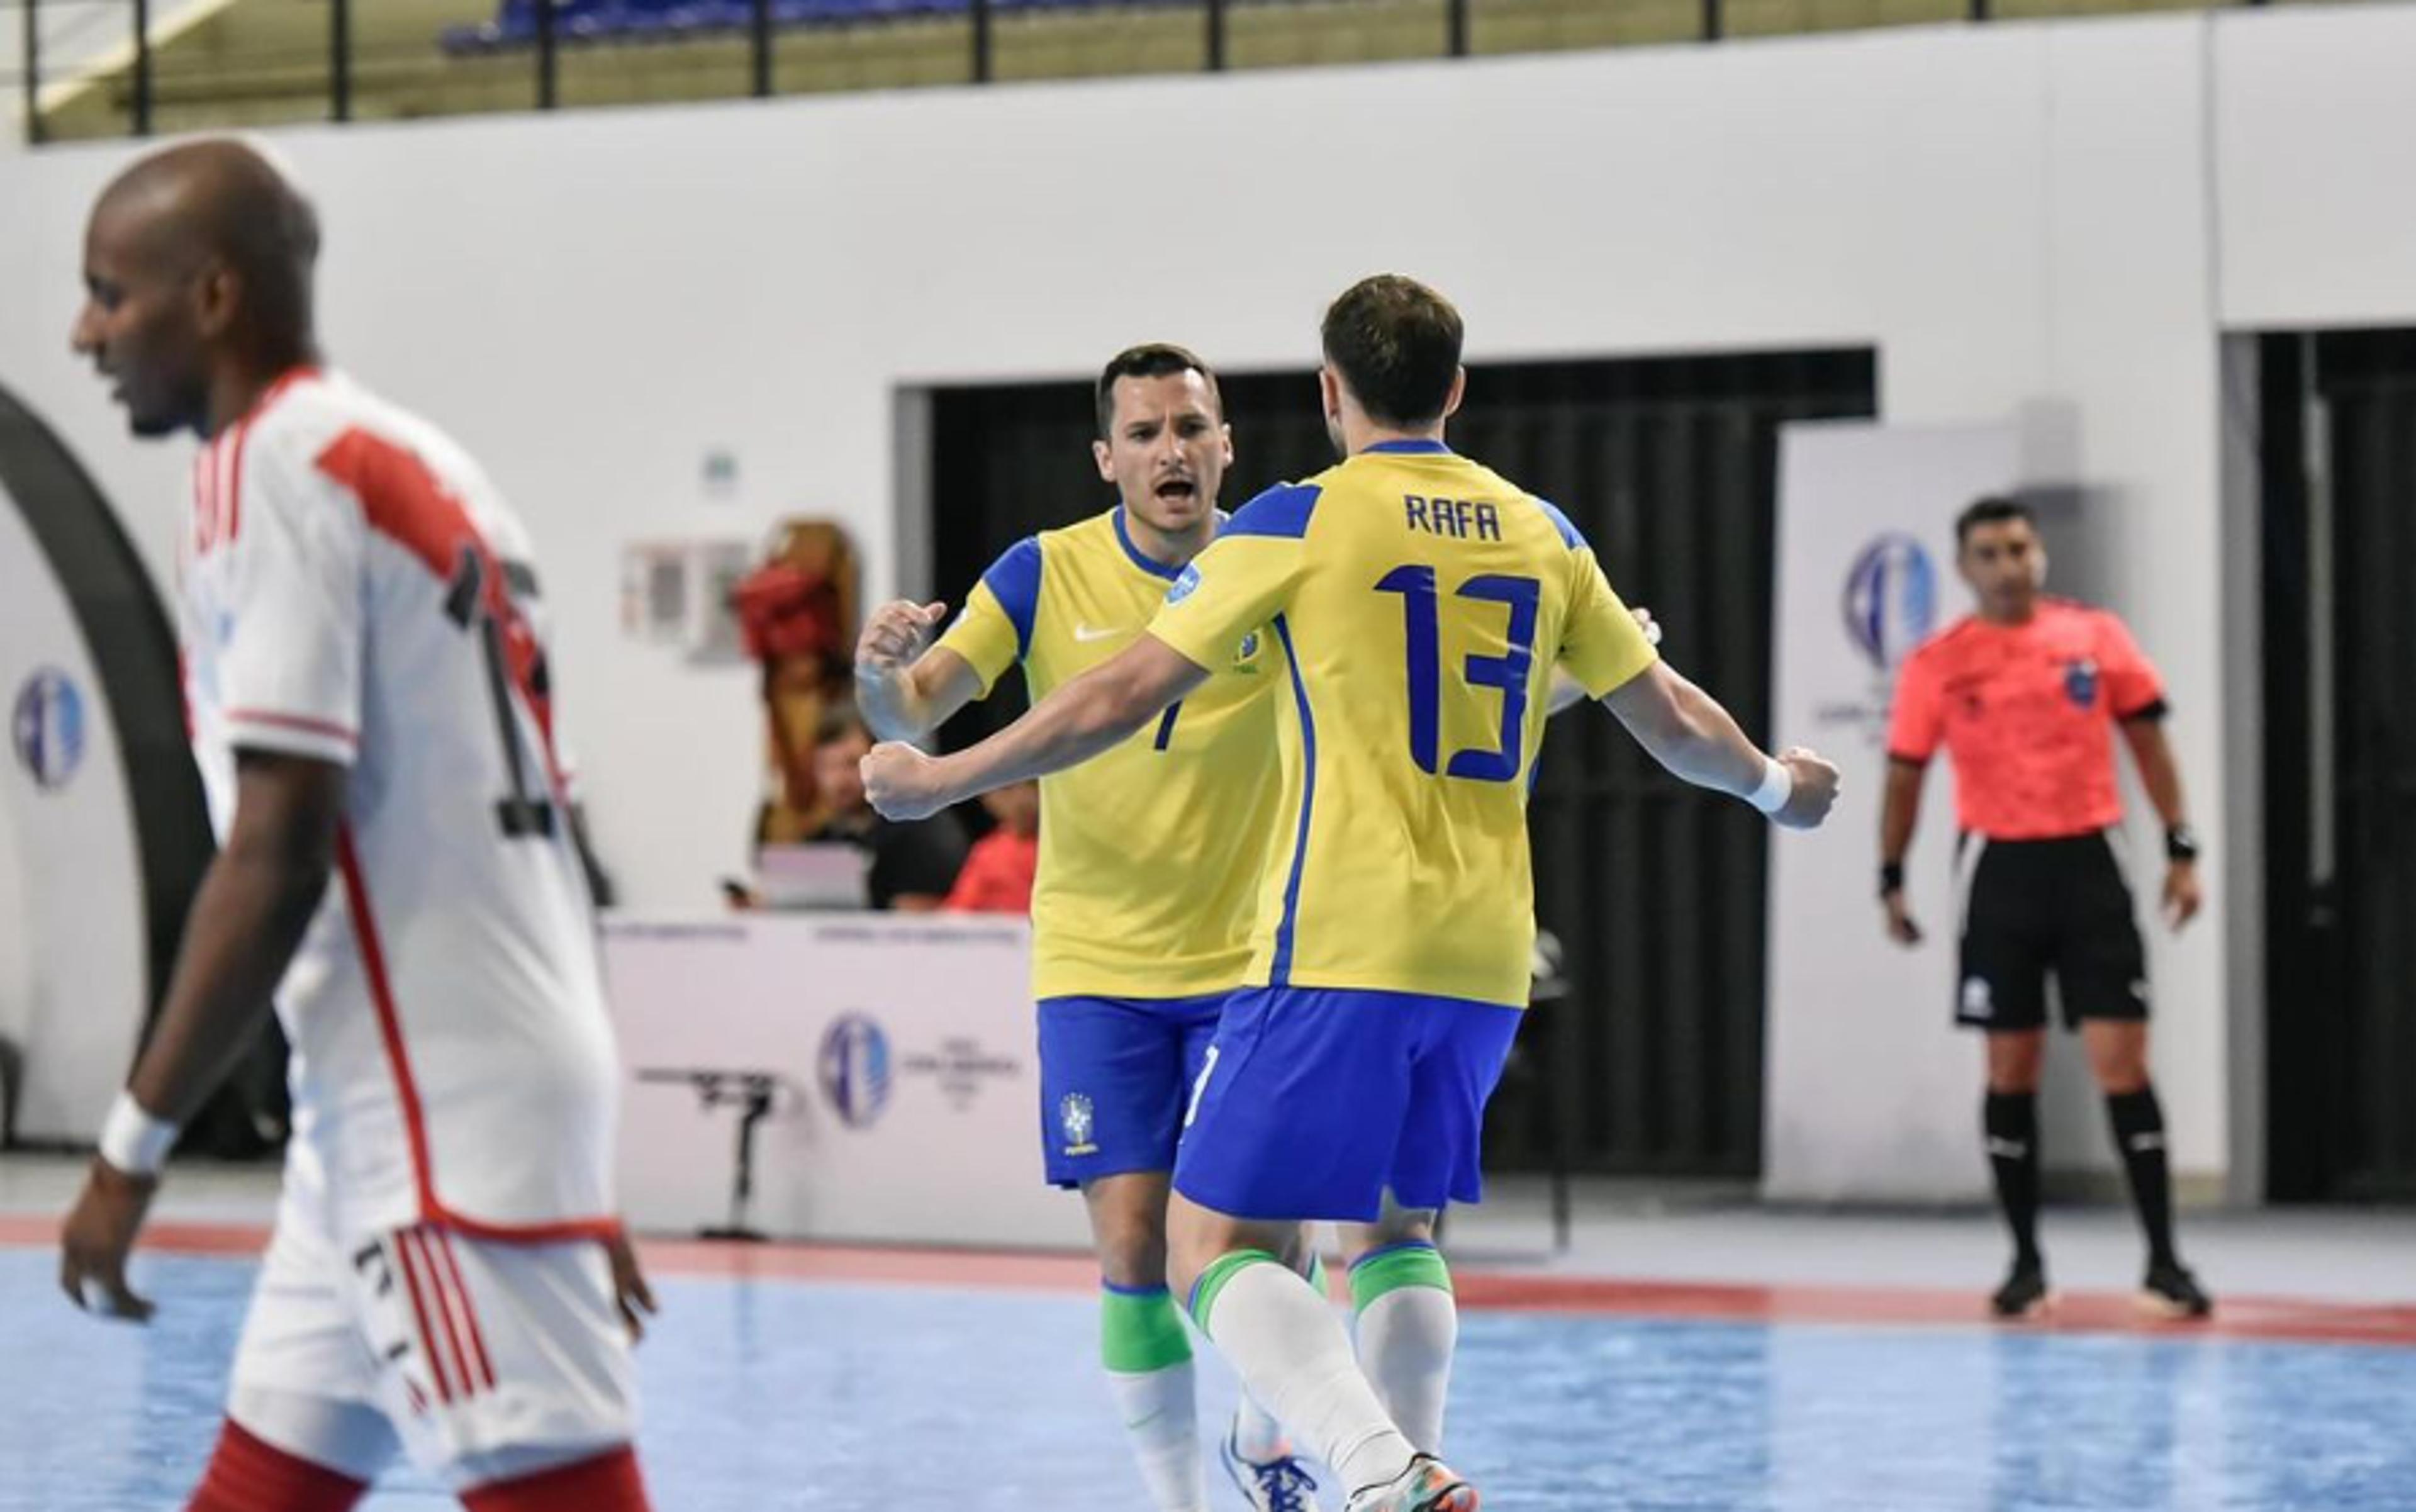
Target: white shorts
{"type": "Point", "coordinates": [480, 1361]}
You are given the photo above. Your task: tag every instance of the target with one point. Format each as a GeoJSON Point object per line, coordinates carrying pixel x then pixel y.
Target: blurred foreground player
{"type": "Point", "coordinates": [2026, 695]}
{"type": "Point", "coordinates": [368, 695]}
{"type": "Point", "coordinates": [1416, 604]}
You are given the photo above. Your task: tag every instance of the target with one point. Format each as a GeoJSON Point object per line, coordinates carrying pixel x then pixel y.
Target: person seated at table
{"type": "Point", "coordinates": [997, 878]}
{"type": "Point", "coordinates": [913, 865]}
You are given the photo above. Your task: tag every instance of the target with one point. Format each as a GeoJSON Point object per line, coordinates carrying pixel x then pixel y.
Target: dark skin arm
{"type": "Point", "coordinates": [248, 918]}
{"type": "Point", "coordinates": [2160, 776]}
{"type": "Point", "coordinates": [254, 904]}
{"type": "Point", "coordinates": [1898, 814]}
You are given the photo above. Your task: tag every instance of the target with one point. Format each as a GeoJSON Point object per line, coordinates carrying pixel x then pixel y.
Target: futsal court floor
{"type": "Point", "coordinates": [1701, 1355]}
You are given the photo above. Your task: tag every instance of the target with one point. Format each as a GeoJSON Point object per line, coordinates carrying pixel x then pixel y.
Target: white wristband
{"type": "Point", "coordinates": [1777, 786]}
{"type": "Point", "coordinates": [133, 1140]}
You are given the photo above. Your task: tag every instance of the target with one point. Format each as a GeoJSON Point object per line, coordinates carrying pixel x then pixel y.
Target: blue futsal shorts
{"type": "Point", "coordinates": [1315, 1101]}
{"type": "Point", "coordinates": [1115, 1076]}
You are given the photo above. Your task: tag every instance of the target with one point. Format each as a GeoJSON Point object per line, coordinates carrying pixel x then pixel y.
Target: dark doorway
{"type": "Point", "coordinates": [2338, 429]}
{"type": "Point", "coordinates": [1669, 466]}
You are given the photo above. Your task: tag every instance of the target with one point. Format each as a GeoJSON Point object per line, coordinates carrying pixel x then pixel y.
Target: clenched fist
{"type": "Point", "coordinates": [896, 634]}
{"type": "Point", "coordinates": [1814, 793]}
{"type": "Point", "coordinates": [901, 783]}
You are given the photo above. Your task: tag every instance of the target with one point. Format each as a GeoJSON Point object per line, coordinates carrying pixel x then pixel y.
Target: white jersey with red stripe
{"type": "Point", "coordinates": [355, 589]}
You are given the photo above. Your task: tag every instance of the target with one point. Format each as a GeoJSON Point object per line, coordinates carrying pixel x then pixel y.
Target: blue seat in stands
{"type": "Point", "coordinates": [598, 21]}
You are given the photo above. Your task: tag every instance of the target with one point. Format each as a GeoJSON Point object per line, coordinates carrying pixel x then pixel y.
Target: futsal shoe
{"type": "Point", "coordinates": [2024, 1294]}
{"type": "Point", "coordinates": [2172, 1291]}
{"type": "Point", "coordinates": [1277, 1484]}
{"type": "Point", "coordinates": [1426, 1486]}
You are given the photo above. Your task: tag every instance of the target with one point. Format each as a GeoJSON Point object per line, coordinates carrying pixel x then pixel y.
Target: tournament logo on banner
{"type": "Point", "coordinates": [1891, 607]}
{"type": "Point", "coordinates": [1891, 599]}
{"type": "Point", "coordinates": [856, 1074]}
{"type": "Point", "coordinates": [47, 728]}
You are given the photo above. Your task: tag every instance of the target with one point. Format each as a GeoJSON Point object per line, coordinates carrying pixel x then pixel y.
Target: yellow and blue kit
{"type": "Point", "coordinates": [1415, 603]}
{"type": "Point", "coordinates": [1150, 855]}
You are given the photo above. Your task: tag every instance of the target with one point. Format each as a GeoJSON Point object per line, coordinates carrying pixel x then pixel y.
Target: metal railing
{"type": "Point", "coordinates": [107, 67]}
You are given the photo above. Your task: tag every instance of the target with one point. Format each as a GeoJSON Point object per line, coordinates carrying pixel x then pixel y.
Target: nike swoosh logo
{"type": "Point", "coordinates": [1085, 634]}
{"type": "Point", "coordinates": [1144, 1422]}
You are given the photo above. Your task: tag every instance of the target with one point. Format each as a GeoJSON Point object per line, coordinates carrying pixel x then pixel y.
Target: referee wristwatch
{"type": "Point", "coordinates": [2180, 844]}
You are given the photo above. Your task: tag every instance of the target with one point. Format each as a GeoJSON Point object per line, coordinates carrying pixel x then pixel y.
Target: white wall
{"type": "Point", "coordinates": [2020, 217]}
{"type": "Point", "coordinates": [2316, 146]}
{"type": "Point", "coordinates": [72, 982]}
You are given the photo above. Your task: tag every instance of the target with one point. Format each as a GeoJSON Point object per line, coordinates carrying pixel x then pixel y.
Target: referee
{"type": "Point", "coordinates": [2026, 695]}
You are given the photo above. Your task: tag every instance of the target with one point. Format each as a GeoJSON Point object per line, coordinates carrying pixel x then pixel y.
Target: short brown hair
{"type": "Point", "coordinates": [1396, 343]}
{"type": "Point", "coordinates": [1151, 360]}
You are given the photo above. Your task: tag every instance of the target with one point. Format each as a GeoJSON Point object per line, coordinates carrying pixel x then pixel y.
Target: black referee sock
{"type": "Point", "coordinates": [2011, 1120]}
{"type": "Point", "coordinates": [2139, 1134]}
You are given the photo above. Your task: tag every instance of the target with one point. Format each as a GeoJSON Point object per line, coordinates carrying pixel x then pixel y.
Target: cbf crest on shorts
{"type": "Point", "coordinates": [1080, 1121]}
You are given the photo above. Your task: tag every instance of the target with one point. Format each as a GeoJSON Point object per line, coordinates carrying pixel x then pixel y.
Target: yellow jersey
{"type": "Point", "coordinates": [1152, 853]}
{"type": "Point", "coordinates": [1416, 603]}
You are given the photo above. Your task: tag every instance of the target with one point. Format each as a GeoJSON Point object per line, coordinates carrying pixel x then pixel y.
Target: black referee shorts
{"type": "Point", "coordinates": [2031, 907]}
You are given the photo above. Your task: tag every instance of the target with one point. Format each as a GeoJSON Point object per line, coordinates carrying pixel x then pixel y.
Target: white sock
{"type": "Point", "coordinates": [1293, 1356]}
{"type": "Point", "coordinates": [1160, 1416]}
{"type": "Point", "coordinates": [1406, 1339]}
{"type": "Point", "coordinates": [1257, 1436]}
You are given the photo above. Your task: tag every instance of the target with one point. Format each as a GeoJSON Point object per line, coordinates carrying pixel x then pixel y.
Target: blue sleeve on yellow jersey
{"type": "Point", "coordinates": [1014, 581]}
{"type": "Point", "coordinates": [1571, 536]}
{"type": "Point", "coordinates": [1282, 511]}
{"type": "Point", "coordinates": [1242, 580]}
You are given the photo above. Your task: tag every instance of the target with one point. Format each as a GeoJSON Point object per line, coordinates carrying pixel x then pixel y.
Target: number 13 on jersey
{"type": "Point", "coordinates": [1422, 610]}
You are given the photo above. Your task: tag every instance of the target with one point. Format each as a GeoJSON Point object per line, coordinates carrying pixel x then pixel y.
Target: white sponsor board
{"type": "Point", "coordinates": [1871, 1094]}
{"type": "Point", "coordinates": [73, 943]}
{"type": "Point", "coordinates": [898, 1055]}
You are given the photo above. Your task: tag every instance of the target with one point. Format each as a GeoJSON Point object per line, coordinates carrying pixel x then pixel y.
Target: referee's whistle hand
{"type": "Point", "coordinates": [1900, 927]}
{"type": "Point", "coordinates": [2184, 896]}
{"type": "Point", "coordinates": [1814, 793]}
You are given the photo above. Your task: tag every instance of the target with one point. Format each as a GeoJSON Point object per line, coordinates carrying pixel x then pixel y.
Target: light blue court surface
{"type": "Point", "coordinates": [788, 1394]}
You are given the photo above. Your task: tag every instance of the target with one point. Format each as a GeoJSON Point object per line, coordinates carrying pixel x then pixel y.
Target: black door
{"type": "Point", "coordinates": [1669, 466]}
{"type": "Point", "coordinates": [2339, 437]}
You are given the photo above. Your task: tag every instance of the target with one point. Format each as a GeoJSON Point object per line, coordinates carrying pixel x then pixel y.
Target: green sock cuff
{"type": "Point", "coordinates": [1141, 1332]}
{"type": "Point", "coordinates": [1399, 1266]}
{"type": "Point", "coordinates": [1213, 1281]}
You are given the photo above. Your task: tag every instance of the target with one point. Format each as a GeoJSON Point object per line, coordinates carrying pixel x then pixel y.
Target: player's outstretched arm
{"type": "Point", "coordinates": [248, 920]}
{"type": "Point", "coordinates": [1093, 713]}
{"type": "Point", "coordinates": [1687, 731]}
{"type": "Point", "coordinates": [905, 686]}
